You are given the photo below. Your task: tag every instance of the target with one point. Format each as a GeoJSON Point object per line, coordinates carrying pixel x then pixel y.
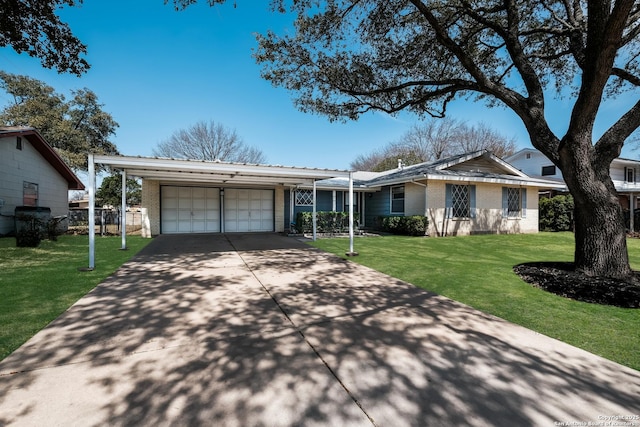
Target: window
{"type": "Point", "coordinates": [346, 200]}
{"type": "Point", "coordinates": [304, 197]}
{"type": "Point", "coordinates": [548, 170]}
{"type": "Point", "coordinates": [397, 199]}
{"type": "Point", "coordinates": [528, 155]}
{"type": "Point", "coordinates": [29, 194]}
{"type": "Point", "coordinates": [514, 202]}
{"type": "Point", "coordinates": [629, 176]}
{"type": "Point", "coordinates": [460, 201]}
{"type": "Point", "coordinates": [19, 143]}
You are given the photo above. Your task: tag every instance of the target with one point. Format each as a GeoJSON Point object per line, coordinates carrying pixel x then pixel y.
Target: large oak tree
{"type": "Point", "coordinates": [73, 127]}
{"type": "Point", "coordinates": [33, 27]}
{"type": "Point", "coordinates": [348, 57]}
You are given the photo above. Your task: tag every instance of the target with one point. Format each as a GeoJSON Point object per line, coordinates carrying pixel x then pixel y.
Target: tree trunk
{"type": "Point", "coordinates": [601, 245]}
{"type": "Point", "coordinates": [600, 234]}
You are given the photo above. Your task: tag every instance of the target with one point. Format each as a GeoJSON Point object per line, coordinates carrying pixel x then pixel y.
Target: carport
{"type": "Point", "coordinates": [191, 173]}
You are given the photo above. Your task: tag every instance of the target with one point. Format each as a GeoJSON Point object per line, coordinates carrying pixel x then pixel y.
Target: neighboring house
{"type": "Point", "coordinates": [31, 174]}
{"type": "Point", "coordinates": [624, 173]}
{"type": "Point", "coordinates": [471, 193]}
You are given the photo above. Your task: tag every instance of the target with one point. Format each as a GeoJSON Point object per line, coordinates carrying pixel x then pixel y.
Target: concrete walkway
{"type": "Point", "coordinates": [262, 330]}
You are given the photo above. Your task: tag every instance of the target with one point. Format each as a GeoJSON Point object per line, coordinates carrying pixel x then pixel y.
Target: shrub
{"type": "Point", "coordinates": [556, 213]}
{"type": "Point", "coordinates": [415, 225]}
{"type": "Point", "coordinates": [29, 231]}
{"type": "Point", "coordinates": [326, 222]}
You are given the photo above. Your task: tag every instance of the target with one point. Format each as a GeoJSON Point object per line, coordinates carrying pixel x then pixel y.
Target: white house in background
{"type": "Point", "coordinates": [624, 173]}
{"type": "Point", "coordinates": [31, 174]}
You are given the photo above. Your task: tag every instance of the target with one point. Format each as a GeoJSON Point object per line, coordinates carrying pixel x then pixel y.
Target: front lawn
{"type": "Point", "coordinates": [478, 271]}
{"type": "Point", "coordinates": [39, 284]}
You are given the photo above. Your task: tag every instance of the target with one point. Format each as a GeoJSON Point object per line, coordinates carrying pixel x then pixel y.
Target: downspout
{"type": "Point", "coordinates": [123, 220]}
{"type": "Point", "coordinates": [426, 204]}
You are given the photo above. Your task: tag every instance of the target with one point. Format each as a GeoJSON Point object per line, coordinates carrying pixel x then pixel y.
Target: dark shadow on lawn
{"type": "Point", "coordinates": [561, 278]}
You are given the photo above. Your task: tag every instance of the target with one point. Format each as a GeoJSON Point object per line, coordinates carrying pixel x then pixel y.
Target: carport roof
{"type": "Point", "coordinates": [216, 172]}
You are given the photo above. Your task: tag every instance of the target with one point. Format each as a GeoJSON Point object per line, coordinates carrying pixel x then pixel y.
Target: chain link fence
{"type": "Point", "coordinates": [107, 221]}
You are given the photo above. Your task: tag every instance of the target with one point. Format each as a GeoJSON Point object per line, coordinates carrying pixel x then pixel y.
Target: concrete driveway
{"type": "Point", "coordinates": [262, 330]}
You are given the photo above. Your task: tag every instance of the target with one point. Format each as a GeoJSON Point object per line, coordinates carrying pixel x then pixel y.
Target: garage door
{"type": "Point", "coordinates": [190, 210]}
{"type": "Point", "coordinates": [248, 210]}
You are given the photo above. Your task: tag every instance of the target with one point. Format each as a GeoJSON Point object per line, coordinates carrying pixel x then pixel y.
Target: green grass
{"type": "Point", "coordinates": [39, 284]}
{"type": "Point", "coordinates": [478, 271]}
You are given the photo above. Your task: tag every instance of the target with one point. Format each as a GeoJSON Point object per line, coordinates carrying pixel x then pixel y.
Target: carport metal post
{"type": "Point", "coordinates": [123, 210]}
{"type": "Point", "coordinates": [314, 210]}
{"type": "Point", "coordinates": [92, 213]}
{"type": "Point", "coordinates": [351, 251]}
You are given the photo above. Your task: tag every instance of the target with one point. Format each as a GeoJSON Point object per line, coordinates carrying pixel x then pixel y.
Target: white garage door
{"type": "Point", "coordinates": [248, 210]}
{"type": "Point", "coordinates": [190, 210]}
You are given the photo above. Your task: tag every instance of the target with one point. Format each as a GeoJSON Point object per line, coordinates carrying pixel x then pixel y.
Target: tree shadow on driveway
{"type": "Point", "coordinates": [257, 330]}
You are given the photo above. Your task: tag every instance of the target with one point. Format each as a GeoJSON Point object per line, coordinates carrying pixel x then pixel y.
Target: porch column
{"type": "Point", "coordinates": [363, 197]}
{"type": "Point", "coordinates": [632, 203]}
{"type": "Point", "coordinates": [123, 210]}
{"type": "Point", "coordinates": [92, 213]}
{"type": "Point", "coordinates": [333, 208]}
{"type": "Point", "coordinates": [292, 196]}
{"type": "Point", "coordinates": [314, 210]}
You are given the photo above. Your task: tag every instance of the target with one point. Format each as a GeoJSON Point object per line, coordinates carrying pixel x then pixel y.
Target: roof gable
{"type": "Point", "coordinates": [45, 150]}
{"type": "Point", "coordinates": [475, 165]}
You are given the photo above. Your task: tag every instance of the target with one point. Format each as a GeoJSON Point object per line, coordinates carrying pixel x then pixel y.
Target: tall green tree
{"type": "Point", "coordinates": [348, 57]}
{"type": "Point", "coordinates": [74, 127]}
{"type": "Point", "coordinates": [110, 191]}
{"type": "Point", "coordinates": [33, 27]}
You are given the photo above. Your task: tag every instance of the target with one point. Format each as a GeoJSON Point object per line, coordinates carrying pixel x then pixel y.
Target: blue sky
{"type": "Point", "coordinates": [157, 71]}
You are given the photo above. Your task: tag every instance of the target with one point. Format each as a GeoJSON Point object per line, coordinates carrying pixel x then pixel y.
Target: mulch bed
{"type": "Point", "coordinates": [561, 279]}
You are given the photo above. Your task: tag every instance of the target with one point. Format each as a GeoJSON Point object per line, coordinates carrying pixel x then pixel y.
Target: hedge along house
{"type": "Point", "coordinates": [472, 193]}
{"type": "Point", "coordinates": [32, 175]}
{"type": "Point", "coordinates": [187, 196]}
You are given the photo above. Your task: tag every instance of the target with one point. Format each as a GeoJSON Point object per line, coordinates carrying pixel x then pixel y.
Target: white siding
{"type": "Point", "coordinates": [18, 166]}
{"type": "Point", "coordinates": [531, 162]}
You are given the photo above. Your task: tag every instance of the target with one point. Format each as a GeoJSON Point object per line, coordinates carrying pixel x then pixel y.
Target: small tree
{"type": "Point", "coordinates": [110, 191]}
{"type": "Point", "coordinates": [208, 141]}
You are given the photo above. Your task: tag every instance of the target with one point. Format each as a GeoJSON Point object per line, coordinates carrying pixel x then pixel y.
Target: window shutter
{"type": "Point", "coordinates": [472, 201]}
{"type": "Point", "coordinates": [448, 202]}
{"type": "Point", "coordinates": [505, 202]}
{"type": "Point", "coordinates": [523, 195]}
